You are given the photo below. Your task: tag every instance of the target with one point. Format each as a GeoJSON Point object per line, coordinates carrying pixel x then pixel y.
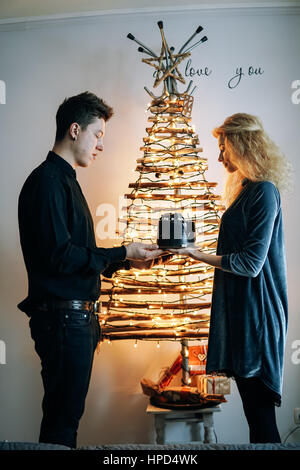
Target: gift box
{"type": "Point", "coordinates": [182, 395]}
{"type": "Point", "coordinates": [197, 359]}
{"type": "Point", "coordinates": [169, 373]}
{"type": "Point", "coordinates": [212, 384]}
{"type": "Point", "coordinates": [179, 395]}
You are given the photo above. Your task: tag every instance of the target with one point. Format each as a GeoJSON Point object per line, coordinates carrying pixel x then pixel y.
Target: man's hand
{"type": "Point", "coordinates": [137, 264]}
{"type": "Point", "coordinates": [142, 251]}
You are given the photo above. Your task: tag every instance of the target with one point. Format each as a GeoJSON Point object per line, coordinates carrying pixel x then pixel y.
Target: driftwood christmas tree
{"type": "Point", "coordinates": [169, 301]}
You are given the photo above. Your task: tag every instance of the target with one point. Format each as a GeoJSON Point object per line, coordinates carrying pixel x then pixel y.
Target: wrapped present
{"type": "Point", "coordinates": [212, 384]}
{"type": "Point", "coordinates": [182, 395]}
{"type": "Point", "coordinates": [168, 373]}
{"type": "Point", "coordinates": [173, 393]}
{"type": "Point", "coordinates": [185, 396]}
{"type": "Point", "coordinates": [197, 359]}
{"type": "Point", "coordinates": [179, 396]}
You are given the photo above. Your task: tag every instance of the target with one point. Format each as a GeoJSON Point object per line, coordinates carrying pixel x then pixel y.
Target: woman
{"type": "Point", "coordinates": [249, 302]}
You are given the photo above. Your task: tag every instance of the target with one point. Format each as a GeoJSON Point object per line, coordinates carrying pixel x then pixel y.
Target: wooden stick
{"type": "Point", "coordinates": [149, 305]}
{"type": "Point", "coordinates": [174, 197]}
{"type": "Point", "coordinates": [193, 207]}
{"type": "Point", "coordinates": [179, 119]}
{"type": "Point", "coordinates": [175, 140]}
{"type": "Point", "coordinates": [185, 168]}
{"type": "Point", "coordinates": [176, 56]}
{"type": "Point", "coordinates": [138, 220]}
{"type": "Point", "coordinates": [160, 284]}
{"type": "Point", "coordinates": [111, 317]}
{"type": "Point", "coordinates": [181, 160]}
{"type": "Point", "coordinates": [170, 130]}
{"type": "Point", "coordinates": [169, 151]}
{"type": "Point", "coordinates": [142, 329]}
{"type": "Point", "coordinates": [192, 184]}
{"type": "Point", "coordinates": [155, 291]}
{"type": "Point", "coordinates": [198, 333]}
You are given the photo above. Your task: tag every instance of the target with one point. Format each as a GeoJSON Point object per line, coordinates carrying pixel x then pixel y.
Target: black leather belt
{"type": "Point", "coordinates": [86, 305]}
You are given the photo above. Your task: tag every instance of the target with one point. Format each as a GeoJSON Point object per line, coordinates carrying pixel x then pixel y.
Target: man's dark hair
{"type": "Point", "coordinates": [83, 109]}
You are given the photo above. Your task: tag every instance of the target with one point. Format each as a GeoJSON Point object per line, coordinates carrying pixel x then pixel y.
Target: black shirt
{"type": "Point", "coordinates": [57, 237]}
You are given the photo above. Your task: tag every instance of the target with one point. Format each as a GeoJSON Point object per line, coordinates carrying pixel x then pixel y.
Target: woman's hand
{"type": "Point", "coordinates": [192, 251]}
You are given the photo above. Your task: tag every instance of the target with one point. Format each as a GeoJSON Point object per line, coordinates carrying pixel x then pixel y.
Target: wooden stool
{"type": "Point", "coordinates": [194, 417]}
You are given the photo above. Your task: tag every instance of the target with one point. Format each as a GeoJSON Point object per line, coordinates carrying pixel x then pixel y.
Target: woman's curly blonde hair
{"type": "Point", "coordinates": [254, 153]}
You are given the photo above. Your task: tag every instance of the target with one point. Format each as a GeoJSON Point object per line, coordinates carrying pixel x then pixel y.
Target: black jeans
{"type": "Point", "coordinates": [65, 342]}
{"type": "Point", "coordinates": [259, 408]}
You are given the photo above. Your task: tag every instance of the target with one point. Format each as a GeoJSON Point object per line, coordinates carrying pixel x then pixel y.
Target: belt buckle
{"type": "Point", "coordinates": [76, 305]}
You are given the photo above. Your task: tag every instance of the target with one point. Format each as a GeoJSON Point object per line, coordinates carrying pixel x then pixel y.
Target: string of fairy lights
{"type": "Point", "coordinates": [171, 300]}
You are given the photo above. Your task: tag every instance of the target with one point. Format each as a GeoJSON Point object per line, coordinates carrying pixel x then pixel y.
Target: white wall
{"type": "Point", "coordinates": [18, 9]}
{"type": "Point", "coordinates": [40, 67]}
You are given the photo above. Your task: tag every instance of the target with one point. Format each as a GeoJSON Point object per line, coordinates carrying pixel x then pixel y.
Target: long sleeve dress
{"type": "Point", "coordinates": [249, 302]}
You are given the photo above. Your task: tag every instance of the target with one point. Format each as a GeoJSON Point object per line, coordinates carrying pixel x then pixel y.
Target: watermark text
{"type": "Point", "coordinates": [2, 92]}
{"type": "Point", "coordinates": [296, 354]}
{"type": "Point", "coordinates": [141, 222]}
{"type": "Point", "coordinates": [296, 94]}
{"type": "Point", "coordinates": [2, 352]}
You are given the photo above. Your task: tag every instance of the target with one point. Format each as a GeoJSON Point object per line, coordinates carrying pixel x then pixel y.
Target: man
{"type": "Point", "coordinates": [64, 265]}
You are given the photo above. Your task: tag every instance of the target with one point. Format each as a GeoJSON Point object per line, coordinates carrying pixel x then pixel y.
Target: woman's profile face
{"type": "Point", "coordinates": [225, 155]}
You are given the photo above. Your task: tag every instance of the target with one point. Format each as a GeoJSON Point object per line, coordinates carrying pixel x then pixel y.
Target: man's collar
{"type": "Point", "coordinates": [61, 163]}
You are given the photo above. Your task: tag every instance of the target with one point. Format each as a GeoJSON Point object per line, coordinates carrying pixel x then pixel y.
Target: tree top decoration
{"type": "Point", "coordinates": [166, 64]}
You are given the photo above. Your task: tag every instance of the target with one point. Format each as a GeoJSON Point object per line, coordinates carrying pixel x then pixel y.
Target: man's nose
{"type": "Point", "coordinates": [100, 146]}
{"type": "Point", "coordinates": [220, 159]}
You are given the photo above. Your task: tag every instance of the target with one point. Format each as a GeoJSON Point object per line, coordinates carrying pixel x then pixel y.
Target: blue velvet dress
{"type": "Point", "coordinates": [249, 302]}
